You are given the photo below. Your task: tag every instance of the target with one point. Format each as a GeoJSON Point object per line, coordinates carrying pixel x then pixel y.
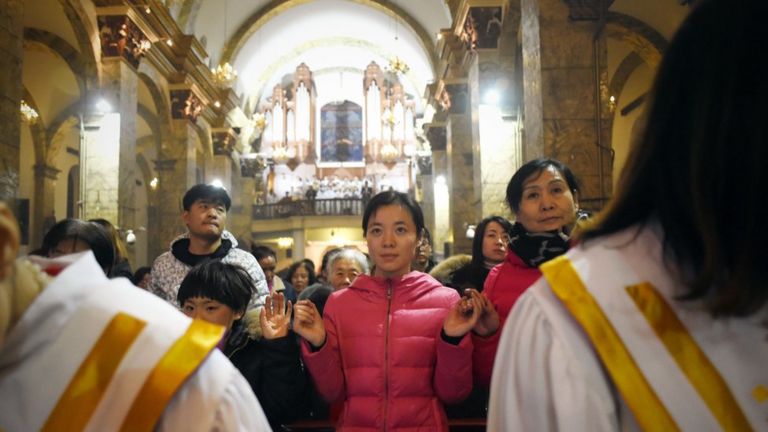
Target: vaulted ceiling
{"type": "Point", "coordinates": [266, 40]}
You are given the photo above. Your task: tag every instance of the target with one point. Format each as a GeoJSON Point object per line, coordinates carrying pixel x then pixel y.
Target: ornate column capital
{"type": "Point", "coordinates": [165, 164]}
{"type": "Point", "coordinates": [46, 171]}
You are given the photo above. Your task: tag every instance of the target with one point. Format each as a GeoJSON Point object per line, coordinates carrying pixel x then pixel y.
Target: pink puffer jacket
{"type": "Point", "coordinates": [385, 358]}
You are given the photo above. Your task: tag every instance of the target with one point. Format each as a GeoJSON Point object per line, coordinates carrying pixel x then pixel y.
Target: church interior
{"type": "Point", "coordinates": [303, 109]}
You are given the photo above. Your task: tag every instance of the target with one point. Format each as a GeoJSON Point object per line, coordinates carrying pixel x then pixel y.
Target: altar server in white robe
{"type": "Point", "coordinates": [658, 319]}
{"type": "Point", "coordinates": [81, 352]}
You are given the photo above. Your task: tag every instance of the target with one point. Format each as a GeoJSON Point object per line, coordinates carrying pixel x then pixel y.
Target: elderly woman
{"type": "Point", "coordinates": [344, 266]}
{"type": "Point", "coordinates": [543, 194]}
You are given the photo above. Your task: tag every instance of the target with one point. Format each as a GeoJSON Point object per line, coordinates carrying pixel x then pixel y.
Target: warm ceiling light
{"type": "Point", "coordinates": [169, 42]}
{"type": "Point", "coordinates": [103, 106]}
{"type": "Point", "coordinates": [280, 155]}
{"type": "Point", "coordinates": [224, 75]}
{"type": "Point", "coordinates": [398, 66]}
{"type": "Point", "coordinates": [28, 114]}
{"type": "Point", "coordinates": [284, 242]}
{"type": "Point", "coordinates": [389, 153]}
{"type": "Point", "coordinates": [259, 121]}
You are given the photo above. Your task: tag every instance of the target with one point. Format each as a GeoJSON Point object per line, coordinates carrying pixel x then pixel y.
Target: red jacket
{"type": "Point", "coordinates": [385, 358]}
{"type": "Point", "coordinates": [504, 285]}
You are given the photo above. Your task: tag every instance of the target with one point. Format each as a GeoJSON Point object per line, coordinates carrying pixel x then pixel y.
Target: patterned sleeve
{"type": "Point", "coordinates": [156, 281]}
{"type": "Point", "coordinates": [259, 280]}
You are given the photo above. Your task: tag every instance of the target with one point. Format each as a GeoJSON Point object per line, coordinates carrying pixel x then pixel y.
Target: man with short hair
{"type": "Point", "coordinates": [205, 215]}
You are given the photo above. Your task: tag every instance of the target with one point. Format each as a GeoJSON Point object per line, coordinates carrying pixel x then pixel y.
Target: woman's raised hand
{"type": "Point", "coordinates": [488, 322]}
{"type": "Point", "coordinates": [462, 317]}
{"type": "Point", "coordinates": [275, 317]}
{"type": "Point", "coordinates": [308, 323]}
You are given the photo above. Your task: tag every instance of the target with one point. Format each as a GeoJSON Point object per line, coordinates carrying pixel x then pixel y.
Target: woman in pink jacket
{"type": "Point", "coordinates": [393, 346]}
{"type": "Point", "coordinates": [544, 195]}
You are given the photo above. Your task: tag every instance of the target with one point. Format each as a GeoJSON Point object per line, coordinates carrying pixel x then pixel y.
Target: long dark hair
{"type": "Point", "coordinates": [477, 242]}
{"type": "Point", "coordinates": [699, 168]}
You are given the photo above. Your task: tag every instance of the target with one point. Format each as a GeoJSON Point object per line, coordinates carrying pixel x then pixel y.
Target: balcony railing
{"type": "Point", "coordinates": [318, 207]}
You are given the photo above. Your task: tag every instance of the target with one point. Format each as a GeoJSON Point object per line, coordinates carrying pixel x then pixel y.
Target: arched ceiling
{"type": "Point", "coordinates": [267, 40]}
{"type": "Point", "coordinates": [49, 80]}
{"type": "Point", "coordinates": [663, 15]}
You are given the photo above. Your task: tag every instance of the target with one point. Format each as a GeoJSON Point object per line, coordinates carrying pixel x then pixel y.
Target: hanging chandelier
{"type": "Point", "coordinates": [259, 121]}
{"type": "Point", "coordinates": [224, 75]}
{"type": "Point", "coordinates": [389, 153]}
{"type": "Point", "coordinates": [280, 155]}
{"type": "Point", "coordinates": [398, 65]}
{"type": "Point", "coordinates": [28, 114]}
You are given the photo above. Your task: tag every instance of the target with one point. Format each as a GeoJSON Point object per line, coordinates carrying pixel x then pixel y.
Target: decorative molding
{"type": "Point", "coordinates": [165, 164]}
{"type": "Point", "coordinates": [185, 105]}
{"type": "Point", "coordinates": [46, 171]}
{"type": "Point", "coordinates": [121, 37]}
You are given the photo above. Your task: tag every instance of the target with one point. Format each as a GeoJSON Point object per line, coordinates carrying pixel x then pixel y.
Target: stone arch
{"type": "Point", "coordinates": [277, 63]}
{"type": "Point", "coordinates": [37, 129]}
{"type": "Point", "coordinates": [204, 136]}
{"type": "Point", "coordinates": [623, 72]}
{"type": "Point", "coordinates": [276, 7]}
{"type": "Point", "coordinates": [646, 41]}
{"type": "Point", "coordinates": [146, 173]}
{"type": "Point", "coordinates": [84, 27]}
{"type": "Point", "coordinates": [152, 121]}
{"type": "Point", "coordinates": [187, 15]}
{"type": "Point", "coordinates": [150, 77]}
{"type": "Point", "coordinates": [69, 117]}
{"type": "Point", "coordinates": [77, 64]}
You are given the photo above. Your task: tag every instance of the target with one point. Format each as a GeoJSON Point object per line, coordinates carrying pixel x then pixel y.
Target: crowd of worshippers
{"type": "Point", "coordinates": [556, 320]}
{"type": "Point", "coordinates": [208, 277]}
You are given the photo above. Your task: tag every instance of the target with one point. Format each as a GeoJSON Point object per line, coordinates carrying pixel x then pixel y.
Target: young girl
{"type": "Point", "coordinates": [393, 346]}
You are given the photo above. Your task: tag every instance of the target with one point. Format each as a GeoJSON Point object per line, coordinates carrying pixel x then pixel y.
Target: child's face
{"type": "Point", "coordinates": [210, 310]}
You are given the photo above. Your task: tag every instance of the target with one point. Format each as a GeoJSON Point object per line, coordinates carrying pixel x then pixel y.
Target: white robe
{"type": "Point", "coordinates": [547, 375]}
{"type": "Point", "coordinates": [36, 364]}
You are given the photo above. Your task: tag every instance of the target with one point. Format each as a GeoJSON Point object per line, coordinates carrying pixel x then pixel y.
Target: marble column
{"type": "Point", "coordinates": [240, 218]}
{"type": "Point", "coordinates": [496, 133]}
{"type": "Point", "coordinates": [123, 82]}
{"type": "Point", "coordinates": [459, 152]}
{"type": "Point", "coordinates": [176, 170]}
{"type": "Point", "coordinates": [45, 190]}
{"type": "Point", "coordinates": [441, 232]}
{"type": "Point", "coordinates": [562, 62]}
{"type": "Point", "coordinates": [12, 52]}
{"type": "Point", "coordinates": [299, 240]}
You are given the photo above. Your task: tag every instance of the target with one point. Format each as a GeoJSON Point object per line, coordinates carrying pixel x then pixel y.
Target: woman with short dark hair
{"type": "Point", "coordinates": [70, 236]}
{"type": "Point", "coordinates": [544, 196]}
